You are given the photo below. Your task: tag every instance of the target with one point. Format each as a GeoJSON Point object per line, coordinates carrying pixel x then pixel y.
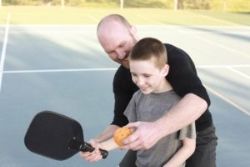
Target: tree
{"type": "Point", "coordinates": [62, 4]}
{"type": "Point", "coordinates": [121, 4]}
{"type": "Point", "coordinates": [178, 4]}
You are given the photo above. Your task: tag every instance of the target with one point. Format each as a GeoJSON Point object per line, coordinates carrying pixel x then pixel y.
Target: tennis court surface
{"type": "Point", "coordinates": [64, 69]}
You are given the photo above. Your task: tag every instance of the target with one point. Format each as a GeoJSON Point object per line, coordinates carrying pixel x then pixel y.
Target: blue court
{"type": "Point", "coordinates": [64, 69]}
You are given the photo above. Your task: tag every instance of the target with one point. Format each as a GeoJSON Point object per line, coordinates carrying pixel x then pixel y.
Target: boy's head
{"type": "Point", "coordinates": [148, 48]}
{"type": "Point", "coordinates": [147, 62]}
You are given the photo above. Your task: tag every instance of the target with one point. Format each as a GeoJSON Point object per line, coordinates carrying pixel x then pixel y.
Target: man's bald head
{"type": "Point", "coordinates": [111, 19]}
{"type": "Point", "coordinates": [117, 37]}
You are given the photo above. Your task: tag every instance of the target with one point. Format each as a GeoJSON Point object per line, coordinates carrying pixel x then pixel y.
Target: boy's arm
{"type": "Point", "coordinates": [108, 144]}
{"type": "Point", "coordinates": [183, 153]}
{"type": "Point", "coordinates": [95, 155]}
{"type": "Point", "coordinates": [104, 138]}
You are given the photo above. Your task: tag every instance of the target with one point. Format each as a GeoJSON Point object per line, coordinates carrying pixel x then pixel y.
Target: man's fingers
{"type": "Point", "coordinates": [133, 146]}
{"type": "Point", "coordinates": [94, 158]}
{"type": "Point", "coordinates": [133, 125]}
{"type": "Point", "coordinates": [131, 138]}
{"type": "Point", "coordinates": [143, 136]}
{"type": "Point", "coordinates": [133, 141]}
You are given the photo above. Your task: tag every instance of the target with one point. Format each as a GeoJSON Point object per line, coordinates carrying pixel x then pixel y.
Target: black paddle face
{"type": "Point", "coordinates": [50, 133]}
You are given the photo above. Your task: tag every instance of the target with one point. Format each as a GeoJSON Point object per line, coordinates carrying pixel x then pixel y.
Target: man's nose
{"type": "Point", "coordinates": [120, 54]}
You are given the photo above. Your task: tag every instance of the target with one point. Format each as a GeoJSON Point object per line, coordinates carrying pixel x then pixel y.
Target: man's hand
{"type": "Point", "coordinates": [92, 156]}
{"type": "Point", "coordinates": [145, 135]}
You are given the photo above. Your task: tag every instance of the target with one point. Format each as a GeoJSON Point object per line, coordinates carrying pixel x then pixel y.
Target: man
{"type": "Point", "coordinates": [117, 38]}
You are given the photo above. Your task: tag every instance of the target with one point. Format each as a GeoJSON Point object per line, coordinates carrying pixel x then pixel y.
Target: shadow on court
{"type": "Point", "coordinates": [87, 95]}
{"type": "Point", "coordinates": [84, 96]}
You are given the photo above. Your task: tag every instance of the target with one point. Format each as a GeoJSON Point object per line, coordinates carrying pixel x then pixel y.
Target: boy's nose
{"type": "Point", "coordinates": [140, 82]}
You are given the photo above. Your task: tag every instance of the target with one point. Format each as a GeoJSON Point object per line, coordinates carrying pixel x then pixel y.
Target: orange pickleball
{"type": "Point", "coordinates": [120, 134]}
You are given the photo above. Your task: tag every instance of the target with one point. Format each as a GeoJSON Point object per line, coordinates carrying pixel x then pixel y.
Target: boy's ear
{"type": "Point", "coordinates": [165, 70]}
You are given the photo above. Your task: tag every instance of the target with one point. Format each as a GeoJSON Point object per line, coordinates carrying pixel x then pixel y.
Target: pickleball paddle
{"type": "Point", "coordinates": [56, 136]}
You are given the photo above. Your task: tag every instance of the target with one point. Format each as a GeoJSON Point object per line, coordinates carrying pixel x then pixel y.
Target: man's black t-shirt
{"type": "Point", "coordinates": [182, 76]}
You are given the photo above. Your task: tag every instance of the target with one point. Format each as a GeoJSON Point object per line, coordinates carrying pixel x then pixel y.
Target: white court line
{"type": "Point", "coordinates": [228, 100]}
{"type": "Point", "coordinates": [59, 70]}
{"type": "Point", "coordinates": [219, 20]}
{"type": "Point", "coordinates": [60, 28]}
{"type": "Point", "coordinates": [3, 54]}
{"type": "Point", "coordinates": [220, 45]}
{"type": "Point", "coordinates": [111, 69]}
{"type": "Point", "coordinates": [239, 73]}
{"type": "Point", "coordinates": [224, 66]}
{"type": "Point", "coordinates": [229, 67]}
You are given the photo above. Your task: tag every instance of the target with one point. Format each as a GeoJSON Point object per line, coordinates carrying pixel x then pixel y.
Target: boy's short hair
{"type": "Point", "coordinates": [148, 48]}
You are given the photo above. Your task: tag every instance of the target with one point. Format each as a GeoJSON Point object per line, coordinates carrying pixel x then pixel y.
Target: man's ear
{"type": "Point", "coordinates": [133, 32]}
{"type": "Point", "coordinates": [165, 70]}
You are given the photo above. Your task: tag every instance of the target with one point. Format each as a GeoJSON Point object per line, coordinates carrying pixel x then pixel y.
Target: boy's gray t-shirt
{"type": "Point", "coordinates": [149, 108]}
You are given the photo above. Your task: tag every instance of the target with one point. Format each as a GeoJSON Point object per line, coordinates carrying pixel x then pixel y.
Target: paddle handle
{"type": "Point", "coordinates": [104, 153]}
{"type": "Point", "coordinates": [88, 148]}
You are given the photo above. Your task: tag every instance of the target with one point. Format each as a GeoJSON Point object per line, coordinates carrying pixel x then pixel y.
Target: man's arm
{"type": "Point", "coordinates": [187, 110]}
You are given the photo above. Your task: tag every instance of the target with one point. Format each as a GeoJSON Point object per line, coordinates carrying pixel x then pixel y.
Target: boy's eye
{"type": "Point", "coordinates": [146, 75]}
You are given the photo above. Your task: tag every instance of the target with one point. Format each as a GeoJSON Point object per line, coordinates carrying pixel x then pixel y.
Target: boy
{"type": "Point", "coordinates": [147, 63]}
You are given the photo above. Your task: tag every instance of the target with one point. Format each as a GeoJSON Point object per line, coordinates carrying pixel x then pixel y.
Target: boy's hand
{"type": "Point", "coordinates": [92, 156]}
